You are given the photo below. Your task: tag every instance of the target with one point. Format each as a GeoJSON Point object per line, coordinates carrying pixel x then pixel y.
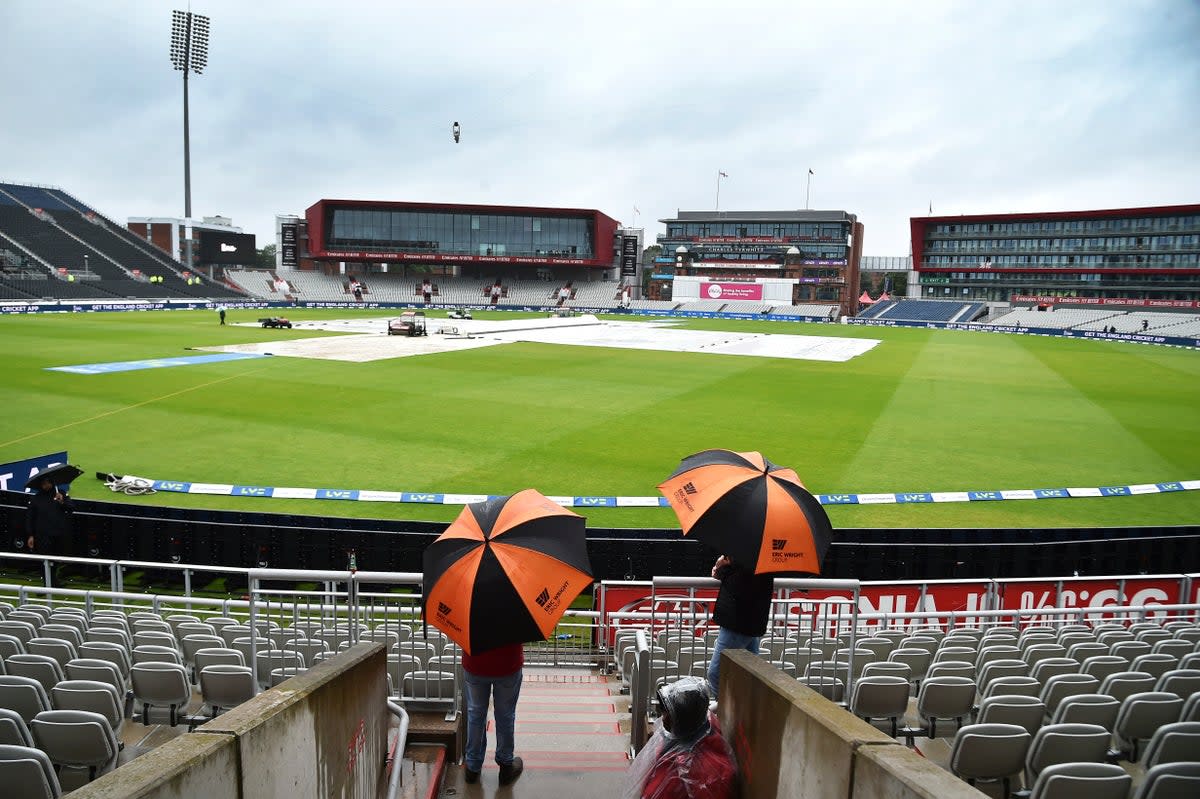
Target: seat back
{"type": "Point", "coordinates": [114, 653]}
{"type": "Point", "coordinates": [1065, 743]}
{"type": "Point", "coordinates": [27, 772]}
{"type": "Point", "coordinates": [1125, 683]}
{"type": "Point", "coordinates": [1087, 709]}
{"type": "Point", "coordinates": [1174, 647]}
{"type": "Point", "coordinates": [1140, 715]}
{"type": "Point", "coordinates": [945, 698]}
{"type": "Point", "coordinates": [1156, 665]}
{"type": "Point", "coordinates": [226, 686]}
{"type": "Point", "coordinates": [1191, 708]}
{"type": "Point", "coordinates": [95, 669]}
{"type": "Point", "coordinates": [989, 751]}
{"type": "Point", "coordinates": [160, 683]}
{"type": "Point", "coordinates": [1012, 686]}
{"type": "Point", "coordinates": [1046, 668]}
{"type": "Point", "coordinates": [10, 645]}
{"type": "Point", "coordinates": [1181, 682]}
{"type": "Point", "coordinates": [882, 696]}
{"type": "Point", "coordinates": [13, 729]}
{"type": "Point", "coordinates": [217, 656]}
{"type": "Point", "coordinates": [163, 654]}
{"type": "Point", "coordinates": [1171, 781]}
{"type": "Point", "coordinates": [427, 689]}
{"type": "Point", "coordinates": [75, 738]}
{"type": "Point", "coordinates": [56, 648]}
{"type": "Point", "coordinates": [1173, 743]}
{"type": "Point", "coordinates": [1061, 686]}
{"type": "Point", "coordinates": [1080, 780]}
{"type": "Point", "coordinates": [63, 632]}
{"type": "Point", "coordinates": [1026, 712]}
{"type": "Point", "coordinates": [92, 696]}
{"type": "Point", "coordinates": [42, 668]}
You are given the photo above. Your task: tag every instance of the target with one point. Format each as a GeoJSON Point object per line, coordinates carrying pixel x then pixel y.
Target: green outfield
{"type": "Point", "coordinates": [923, 411]}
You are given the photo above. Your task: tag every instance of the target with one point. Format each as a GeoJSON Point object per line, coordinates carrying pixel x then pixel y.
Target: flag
{"type": "Point", "coordinates": [635, 210]}
{"type": "Point", "coordinates": [811, 172]}
{"type": "Point", "coordinates": [931, 207]}
{"type": "Point", "coordinates": [722, 174]}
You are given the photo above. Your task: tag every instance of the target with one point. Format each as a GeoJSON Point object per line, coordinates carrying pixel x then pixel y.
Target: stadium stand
{"type": "Point", "coordinates": [810, 309]}
{"type": "Point", "coordinates": [926, 311]}
{"type": "Point", "coordinates": [1055, 318]}
{"type": "Point", "coordinates": [66, 237]}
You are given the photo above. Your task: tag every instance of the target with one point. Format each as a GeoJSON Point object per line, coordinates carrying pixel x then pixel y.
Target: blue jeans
{"type": "Point", "coordinates": [504, 694]}
{"type": "Point", "coordinates": [728, 639]}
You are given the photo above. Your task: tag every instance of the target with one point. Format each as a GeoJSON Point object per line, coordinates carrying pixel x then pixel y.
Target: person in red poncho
{"type": "Point", "coordinates": [687, 758]}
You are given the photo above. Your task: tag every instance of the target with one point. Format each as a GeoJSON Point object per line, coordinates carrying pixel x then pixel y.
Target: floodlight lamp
{"type": "Point", "coordinates": [680, 250]}
{"type": "Point", "coordinates": [793, 250]}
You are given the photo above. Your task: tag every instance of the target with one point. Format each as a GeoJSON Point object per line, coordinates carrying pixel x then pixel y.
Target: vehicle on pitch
{"type": "Point", "coordinates": [275, 321]}
{"type": "Point", "coordinates": [409, 323]}
{"type": "Point", "coordinates": [459, 313]}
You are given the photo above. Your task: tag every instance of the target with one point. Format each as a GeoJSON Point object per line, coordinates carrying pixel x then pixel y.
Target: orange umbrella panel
{"type": "Point", "coordinates": [505, 571]}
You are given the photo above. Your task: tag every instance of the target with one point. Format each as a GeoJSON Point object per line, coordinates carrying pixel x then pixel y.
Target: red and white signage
{"type": "Point", "coordinates": [730, 291]}
{"type": "Point", "coordinates": [1118, 301]}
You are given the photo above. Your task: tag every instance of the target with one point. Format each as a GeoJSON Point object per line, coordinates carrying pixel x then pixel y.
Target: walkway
{"type": "Point", "coordinates": [572, 732]}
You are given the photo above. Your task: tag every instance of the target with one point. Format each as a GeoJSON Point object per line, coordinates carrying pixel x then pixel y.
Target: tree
{"type": "Point", "coordinates": [265, 258]}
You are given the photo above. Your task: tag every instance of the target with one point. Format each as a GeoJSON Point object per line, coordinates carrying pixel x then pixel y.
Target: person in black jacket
{"type": "Point", "coordinates": [743, 606]}
{"type": "Point", "coordinates": [48, 520]}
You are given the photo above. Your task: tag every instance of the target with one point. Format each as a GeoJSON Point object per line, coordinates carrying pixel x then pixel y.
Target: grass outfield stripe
{"type": "Point", "coordinates": [926, 409]}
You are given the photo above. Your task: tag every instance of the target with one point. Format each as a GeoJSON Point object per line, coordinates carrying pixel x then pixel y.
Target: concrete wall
{"type": "Point", "coordinates": [790, 741]}
{"type": "Point", "coordinates": [322, 733]}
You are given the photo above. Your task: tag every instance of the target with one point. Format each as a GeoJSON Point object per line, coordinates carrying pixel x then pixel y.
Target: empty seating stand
{"type": "Point", "coordinates": [925, 311]}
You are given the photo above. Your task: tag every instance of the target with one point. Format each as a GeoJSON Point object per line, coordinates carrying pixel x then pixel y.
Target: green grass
{"type": "Point", "coordinates": [923, 411]}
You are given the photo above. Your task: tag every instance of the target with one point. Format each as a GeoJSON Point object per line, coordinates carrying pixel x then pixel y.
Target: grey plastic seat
{"type": "Point", "coordinates": [1027, 712]}
{"type": "Point", "coordinates": [1046, 668]}
{"type": "Point", "coordinates": [62, 651]}
{"type": "Point", "coordinates": [159, 684]}
{"type": "Point", "coordinates": [92, 696]}
{"type": "Point", "coordinates": [216, 656]}
{"type": "Point", "coordinates": [114, 653]}
{"type": "Point", "coordinates": [110, 635]}
{"type": "Point", "coordinates": [21, 630]}
{"type": "Point", "coordinates": [13, 729]}
{"type": "Point", "coordinates": [1175, 647]}
{"type": "Point", "coordinates": [989, 752]}
{"type": "Point", "coordinates": [184, 629]}
{"type": "Point", "coordinates": [230, 632]}
{"type": "Point", "coordinates": [1086, 649]}
{"type": "Point", "coordinates": [272, 659]}
{"type": "Point", "coordinates": [1012, 686]}
{"type": "Point", "coordinates": [155, 638]}
{"type": "Point", "coordinates": [27, 773]}
{"type": "Point", "coordinates": [886, 667]}
{"type": "Point", "coordinates": [917, 659]}
{"type": "Point", "coordinates": [95, 669]}
{"type": "Point", "coordinates": [1181, 682]}
{"type": "Point", "coordinates": [248, 647]}
{"type": "Point", "coordinates": [1142, 714]}
{"type": "Point", "coordinates": [1156, 665]}
{"type": "Point", "coordinates": [1126, 683]}
{"type": "Point", "coordinates": [42, 668]}
{"type": "Point", "coordinates": [148, 653]}
{"type": "Point", "coordinates": [76, 739]}
{"type": "Point", "coordinates": [1173, 743]}
{"type": "Point", "coordinates": [1130, 649]}
{"type": "Point", "coordinates": [943, 697]}
{"type": "Point", "coordinates": [427, 689]}
{"type": "Point", "coordinates": [191, 643]}
{"type": "Point", "coordinates": [224, 686]}
{"type": "Point", "coordinates": [1103, 666]}
{"type": "Point", "coordinates": [11, 645]}
{"type": "Point", "coordinates": [63, 632]}
{"type": "Point", "coordinates": [1004, 667]}
{"type": "Point", "coordinates": [1191, 708]}
{"type": "Point", "coordinates": [1087, 709]}
{"type": "Point", "coordinates": [951, 668]}
{"type": "Point", "coordinates": [1171, 781]}
{"type": "Point", "coordinates": [283, 675]}
{"type": "Point", "coordinates": [882, 696]}
{"type": "Point", "coordinates": [1082, 781]}
{"type": "Point", "coordinates": [1061, 686]}
{"type": "Point", "coordinates": [1065, 743]}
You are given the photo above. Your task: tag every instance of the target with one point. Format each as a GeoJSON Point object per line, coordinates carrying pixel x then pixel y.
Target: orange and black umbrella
{"type": "Point", "coordinates": [757, 513]}
{"type": "Point", "coordinates": [505, 571]}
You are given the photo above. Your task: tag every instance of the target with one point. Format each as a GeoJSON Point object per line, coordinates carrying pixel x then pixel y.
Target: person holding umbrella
{"type": "Point", "coordinates": [48, 520]}
{"type": "Point", "coordinates": [764, 521]}
{"type": "Point", "coordinates": [501, 574]}
{"type": "Point", "coordinates": [742, 610]}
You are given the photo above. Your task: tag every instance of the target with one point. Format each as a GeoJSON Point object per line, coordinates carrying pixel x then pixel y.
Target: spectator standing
{"type": "Point", "coordinates": [427, 291]}
{"type": "Point", "coordinates": [743, 607]}
{"type": "Point", "coordinates": [495, 672]}
{"type": "Point", "coordinates": [48, 520]}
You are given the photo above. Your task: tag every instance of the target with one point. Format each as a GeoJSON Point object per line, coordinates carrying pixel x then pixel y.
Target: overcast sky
{"type": "Point", "coordinates": [975, 107]}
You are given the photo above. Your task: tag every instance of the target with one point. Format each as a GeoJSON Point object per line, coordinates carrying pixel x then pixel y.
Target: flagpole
{"type": "Point", "coordinates": [808, 191]}
{"type": "Point", "coordinates": [717, 204]}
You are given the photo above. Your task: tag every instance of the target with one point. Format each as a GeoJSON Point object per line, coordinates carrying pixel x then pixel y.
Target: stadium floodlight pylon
{"type": "Point", "coordinates": [189, 53]}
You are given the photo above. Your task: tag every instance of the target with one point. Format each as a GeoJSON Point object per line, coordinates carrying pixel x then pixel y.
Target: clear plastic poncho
{"type": "Point", "coordinates": [686, 757]}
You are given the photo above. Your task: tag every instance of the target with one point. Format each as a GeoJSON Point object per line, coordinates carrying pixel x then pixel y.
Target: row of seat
{"type": "Point", "coordinates": [1067, 761]}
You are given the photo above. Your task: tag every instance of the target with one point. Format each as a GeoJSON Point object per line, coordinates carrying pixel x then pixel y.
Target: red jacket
{"type": "Point", "coordinates": [498, 662]}
{"type": "Point", "coordinates": [705, 771]}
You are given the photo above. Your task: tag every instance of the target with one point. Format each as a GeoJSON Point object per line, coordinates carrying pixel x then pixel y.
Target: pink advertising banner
{"type": "Point", "coordinates": [730, 291]}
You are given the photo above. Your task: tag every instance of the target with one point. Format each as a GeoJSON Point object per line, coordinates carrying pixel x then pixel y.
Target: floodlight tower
{"type": "Point", "coordinates": [189, 53]}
